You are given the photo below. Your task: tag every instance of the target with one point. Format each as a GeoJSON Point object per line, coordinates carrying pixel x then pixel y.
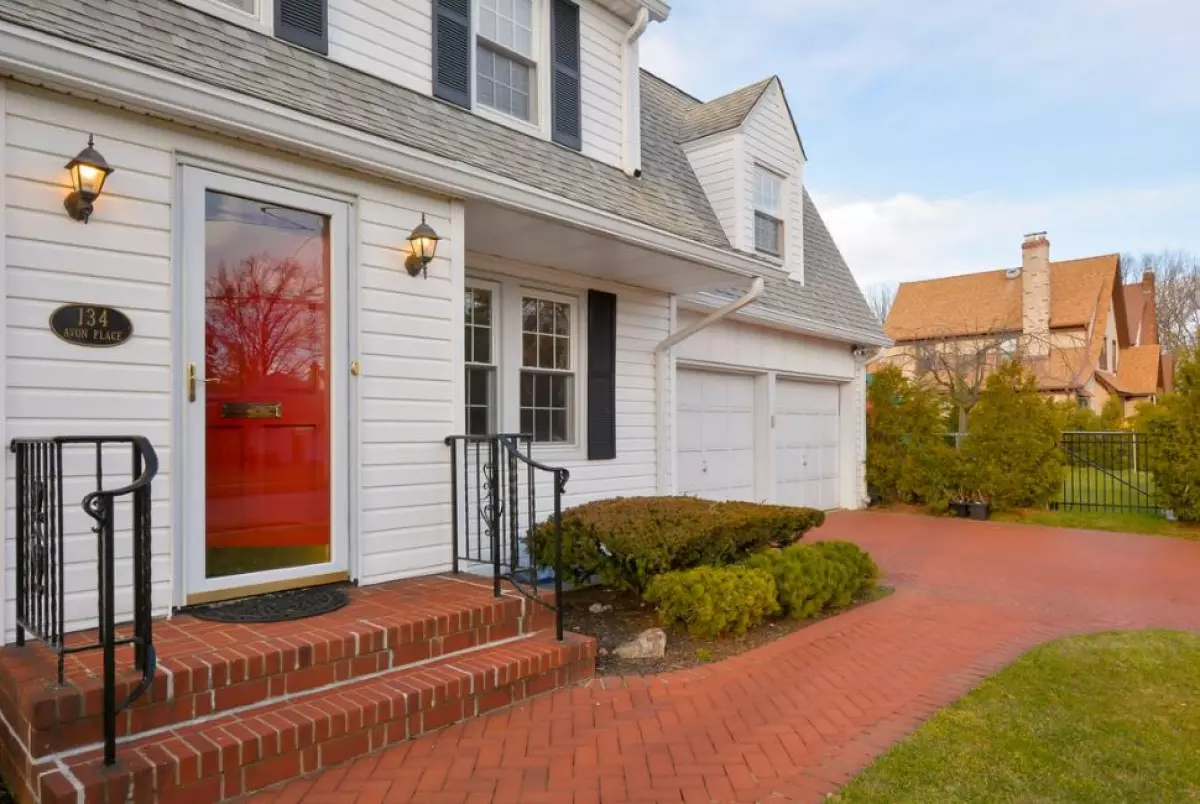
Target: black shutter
{"type": "Point", "coordinates": [602, 376]}
{"type": "Point", "coordinates": [566, 96]}
{"type": "Point", "coordinates": [304, 23]}
{"type": "Point", "coordinates": [452, 51]}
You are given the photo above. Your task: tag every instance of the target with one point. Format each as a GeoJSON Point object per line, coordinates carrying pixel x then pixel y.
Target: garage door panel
{"type": "Point", "coordinates": [807, 443]}
{"type": "Point", "coordinates": [716, 434]}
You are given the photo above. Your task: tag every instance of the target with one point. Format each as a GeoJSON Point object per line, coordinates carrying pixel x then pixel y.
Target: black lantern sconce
{"type": "Point", "coordinates": [422, 247]}
{"type": "Point", "coordinates": [88, 171]}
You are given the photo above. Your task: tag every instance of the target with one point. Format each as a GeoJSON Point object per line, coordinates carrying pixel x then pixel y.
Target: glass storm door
{"type": "Point", "coordinates": [263, 384]}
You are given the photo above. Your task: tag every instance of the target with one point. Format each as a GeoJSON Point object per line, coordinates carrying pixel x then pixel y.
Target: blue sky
{"type": "Point", "coordinates": [939, 133]}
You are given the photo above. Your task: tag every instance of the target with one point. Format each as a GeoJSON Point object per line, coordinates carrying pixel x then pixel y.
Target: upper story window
{"type": "Point", "coordinates": [505, 57]}
{"type": "Point", "coordinates": [1104, 357]}
{"type": "Point", "coordinates": [768, 211]}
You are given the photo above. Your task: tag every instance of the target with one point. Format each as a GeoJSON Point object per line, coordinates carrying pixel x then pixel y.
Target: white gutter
{"type": "Point", "coordinates": [631, 156]}
{"type": "Point", "coordinates": [756, 289]}
{"type": "Point", "coordinates": [664, 375]}
{"type": "Point", "coordinates": [118, 81]}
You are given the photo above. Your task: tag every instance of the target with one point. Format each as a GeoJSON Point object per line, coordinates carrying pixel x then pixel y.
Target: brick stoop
{"type": "Point", "coordinates": [207, 668]}
{"type": "Point", "coordinates": [228, 755]}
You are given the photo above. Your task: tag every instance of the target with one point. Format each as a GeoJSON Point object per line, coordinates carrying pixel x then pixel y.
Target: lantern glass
{"type": "Point", "coordinates": [88, 179]}
{"type": "Point", "coordinates": [423, 242]}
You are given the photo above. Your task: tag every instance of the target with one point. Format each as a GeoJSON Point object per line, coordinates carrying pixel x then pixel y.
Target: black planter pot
{"type": "Point", "coordinates": [980, 510]}
{"type": "Point", "coordinates": [960, 509]}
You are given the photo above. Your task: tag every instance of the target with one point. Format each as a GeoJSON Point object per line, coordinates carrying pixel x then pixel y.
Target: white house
{"type": "Point", "coordinates": [596, 284]}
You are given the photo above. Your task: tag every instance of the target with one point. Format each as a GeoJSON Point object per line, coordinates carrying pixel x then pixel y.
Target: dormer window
{"type": "Point", "coordinates": [505, 57]}
{"type": "Point", "coordinates": [768, 211]}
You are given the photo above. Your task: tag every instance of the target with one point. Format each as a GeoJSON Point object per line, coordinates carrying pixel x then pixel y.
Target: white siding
{"type": "Point", "coordinates": [124, 257]}
{"type": "Point", "coordinates": [391, 39]}
{"type": "Point", "coordinates": [716, 163]}
{"type": "Point", "coordinates": [770, 141]}
{"type": "Point", "coordinates": [601, 47]}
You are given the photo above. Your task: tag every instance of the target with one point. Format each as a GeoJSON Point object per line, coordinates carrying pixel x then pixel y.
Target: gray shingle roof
{"type": "Point", "coordinates": [721, 114]}
{"type": "Point", "coordinates": [179, 39]}
{"type": "Point", "coordinates": [829, 299]}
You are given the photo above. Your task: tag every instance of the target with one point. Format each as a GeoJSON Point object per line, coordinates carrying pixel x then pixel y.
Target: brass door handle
{"type": "Point", "coordinates": [192, 379]}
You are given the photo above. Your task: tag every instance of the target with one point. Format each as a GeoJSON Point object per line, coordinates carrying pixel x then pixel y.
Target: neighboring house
{"type": "Point", "coordinates": [597, 283]}
{"type": "Point", "coordinates": [1084, 335]}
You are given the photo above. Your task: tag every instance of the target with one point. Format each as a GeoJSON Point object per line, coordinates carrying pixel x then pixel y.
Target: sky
{"type": "Point", "coordinates": [939, 133]}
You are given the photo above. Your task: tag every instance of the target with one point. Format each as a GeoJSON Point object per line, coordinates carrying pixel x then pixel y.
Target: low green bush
{"type": "Point", "coordinates": [712, 601]}
{"type": "Point", "coordinates": [814, 578]}
{"type": "Point", "coordinates": [625, 542]}
{"type": "Point", "coordinates": [1173, 445]}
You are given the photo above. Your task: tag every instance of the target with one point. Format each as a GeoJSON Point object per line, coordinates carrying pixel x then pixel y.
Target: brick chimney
{"type": "Point", "coordinates": [1149, 334]}
{"type": "Point", "coordinates": [1035, 294]}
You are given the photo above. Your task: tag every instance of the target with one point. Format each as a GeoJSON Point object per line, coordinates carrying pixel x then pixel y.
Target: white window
{"type": "Point", "coordinates": [254, 13]}
{"type": "Point", "coordinates": [248, 6]}
{"type": "Point", "coordinates": [768, 211]}
{"type": "Point", "coordinates": [506, 57]}
{"type": "Point", "coordinates": [547, 369]}
{"type": "Point", "coordinates": [479, 317]}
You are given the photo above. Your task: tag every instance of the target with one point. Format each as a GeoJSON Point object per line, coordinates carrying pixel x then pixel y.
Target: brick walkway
{"type": "Point", "coordinates": [793, 720]}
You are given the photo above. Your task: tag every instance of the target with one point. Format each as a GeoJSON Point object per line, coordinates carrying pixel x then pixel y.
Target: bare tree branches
{"type": "Point", "coordinates": [1177, 288]}
{"type": "Point", "coordinates": [880, 296]}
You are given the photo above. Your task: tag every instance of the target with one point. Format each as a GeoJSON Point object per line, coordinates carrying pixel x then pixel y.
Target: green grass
{"type": "Point", "coordinates": [1118, 488]}
{"type": "Point", "coordinates": [1096, 719]}
{"type": "Point", "coordinates": [1120, 522]}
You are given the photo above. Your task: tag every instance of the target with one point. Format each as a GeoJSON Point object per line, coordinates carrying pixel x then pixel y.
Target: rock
{"type": "Point", "coordinates": [602, 652]}
{"type": "Point", "coordinates": [599, 608]}
{"type": "Point", "coordinates": [650, 644]}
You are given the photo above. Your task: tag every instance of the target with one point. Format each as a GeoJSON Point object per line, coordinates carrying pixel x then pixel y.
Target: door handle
{"type": "Point", "coordinates": [192, 379]}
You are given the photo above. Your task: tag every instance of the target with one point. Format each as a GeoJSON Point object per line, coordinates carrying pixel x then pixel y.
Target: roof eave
{"type": "Point", "coordinates": [794, 323]}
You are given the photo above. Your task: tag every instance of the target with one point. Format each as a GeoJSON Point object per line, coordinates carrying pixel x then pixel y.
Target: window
{"type": "Point", "coordinates": [248, 6]}
{"type": "Point", "coordinates": [768, 211]}
{"type": "Point", "coordinates": [480, 345]}
{"type": "Point", "coordinates": [1104, 357]}
{"type": "Point", "coordinates": [505, 57]}
{"type": "Point", "coordinates": [547, 366]}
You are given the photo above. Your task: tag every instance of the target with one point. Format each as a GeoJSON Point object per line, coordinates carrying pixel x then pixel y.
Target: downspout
{"type": "Point", "coordinates": [664, 381]}
{"type": "Point", "coordinates": [631, 155]}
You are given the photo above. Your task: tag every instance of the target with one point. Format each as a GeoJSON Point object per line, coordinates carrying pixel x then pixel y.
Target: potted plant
{"type": "Point", "coordinates": [959, 504]}
{"type": "Point", "coordinates": [980, 506]}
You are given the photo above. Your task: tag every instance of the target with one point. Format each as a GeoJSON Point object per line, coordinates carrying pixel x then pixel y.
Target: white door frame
{"type": "Point", "coordinates": [190, 274]}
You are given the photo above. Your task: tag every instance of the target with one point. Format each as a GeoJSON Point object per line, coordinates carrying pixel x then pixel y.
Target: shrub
{"type": "Point", "coordinates": [625, 542]}
{"type": "Point", "coordinates": [711, 601]}
{"type": "Point", "coordinates": [1173, 426]}
{"type": "Point", "coordinates": [907, 453]}
{"type": "Point", "coordinates": [863, 571]}
{"type": "Point", "coordinates": [1011, 452]}
{"type": "Point", "coordinates": [813, 578]}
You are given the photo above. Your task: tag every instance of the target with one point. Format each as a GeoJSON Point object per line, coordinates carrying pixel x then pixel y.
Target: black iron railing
{"type": "Point", "coordinates": [495, 521]}
{"type": "Point", "coordinates": [41, 589]}
{"type": "Point", "coordinates": [1109, 471]}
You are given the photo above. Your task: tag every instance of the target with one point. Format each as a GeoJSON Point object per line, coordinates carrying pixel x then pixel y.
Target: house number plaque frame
{"type": "Point", "coordinates": [94, 325]}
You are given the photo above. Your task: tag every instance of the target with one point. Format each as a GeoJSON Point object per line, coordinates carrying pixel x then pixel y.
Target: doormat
{"type": "Point", "coordinates": [277, 607]}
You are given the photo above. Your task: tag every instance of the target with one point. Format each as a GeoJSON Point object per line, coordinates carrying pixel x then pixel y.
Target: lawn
{"type": "Point", "coordinates": [1086, 487]}
{"type": "Point", "coordinates": [1120, 522]}
{"type": "Point", "coordinates": [1101, 718]}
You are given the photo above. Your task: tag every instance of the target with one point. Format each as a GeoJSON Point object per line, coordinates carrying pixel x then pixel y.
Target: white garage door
{"type": "Point", "coordinates": [715, 433]}
{"type": "Point", "coordinates": [807, 444]}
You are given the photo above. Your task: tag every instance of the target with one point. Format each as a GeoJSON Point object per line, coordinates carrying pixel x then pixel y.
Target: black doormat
{"type": "Point", "coordinates": [276, 607]}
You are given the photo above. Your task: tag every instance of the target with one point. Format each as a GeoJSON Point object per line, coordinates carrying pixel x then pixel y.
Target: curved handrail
{"type": "Point", "coordinates": [513, 449]}
{"type": "Point", "coordinates": [149, 472]}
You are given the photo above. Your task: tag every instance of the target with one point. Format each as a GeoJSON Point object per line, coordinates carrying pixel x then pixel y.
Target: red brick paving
{"type": "Point", "coordinates": [795, 719]}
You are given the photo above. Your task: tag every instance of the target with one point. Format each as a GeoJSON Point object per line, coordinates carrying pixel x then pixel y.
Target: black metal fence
{"type": "Point", "coordinates": [40, 570]}
{"type": "Point", "coordinates": [1109, 471]}
{"type": "Point", "coordinates": [497, 486]}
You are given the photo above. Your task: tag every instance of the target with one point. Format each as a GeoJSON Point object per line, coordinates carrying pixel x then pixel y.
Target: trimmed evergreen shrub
{"type": "Point", "coordinates": [908, 457]}
{"type": "Point", "coordinates": [1173, 427]}
{"type": "Point", "coordinates": [863, 572]}
{"type": "Point", "coordinates": [626, 541]}
{"type": "Point", "coordinates": [814, 578]}
{"type": "Point", "coordinates": [713, 601]}
{"type": "Point", "coordinates": [1012, 453]}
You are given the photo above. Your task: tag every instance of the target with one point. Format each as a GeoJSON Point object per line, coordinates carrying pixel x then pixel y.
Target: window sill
{"type": "Point", "coordinates": [261, 22]}
{"type": "Point", "coordinates": [500, 118]}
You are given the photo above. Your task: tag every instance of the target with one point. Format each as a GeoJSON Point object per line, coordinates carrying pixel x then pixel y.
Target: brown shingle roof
{"type": "Point", "coordinates": [1137, 371]}
{"type": "Point", "coordinates": [1135, 304]}
{"type": "Point", "coordinates": [990, 302]}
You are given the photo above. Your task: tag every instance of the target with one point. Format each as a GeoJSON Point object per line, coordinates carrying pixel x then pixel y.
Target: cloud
{"type": "Point", "coordinates": [908, 236]}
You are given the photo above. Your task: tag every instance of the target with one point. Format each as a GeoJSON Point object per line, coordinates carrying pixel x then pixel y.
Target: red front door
{"type": "Point", "coordinates": [267, 400]}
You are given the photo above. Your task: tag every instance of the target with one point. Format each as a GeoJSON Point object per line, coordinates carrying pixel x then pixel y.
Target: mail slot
{"type": "Point", "coordinates": [252, 410]}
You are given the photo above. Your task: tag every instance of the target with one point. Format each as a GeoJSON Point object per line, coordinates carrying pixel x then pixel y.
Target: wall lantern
{"type": "Point", "coordinates": [88, 172]}
{"type": "Point", "coordinates": [422, 246]}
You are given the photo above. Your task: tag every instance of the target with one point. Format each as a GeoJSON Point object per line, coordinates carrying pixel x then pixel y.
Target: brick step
{"type": "Point", "coordinates": [226, 756]}
{"type": "Point", "coordinates": [208, 667]}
